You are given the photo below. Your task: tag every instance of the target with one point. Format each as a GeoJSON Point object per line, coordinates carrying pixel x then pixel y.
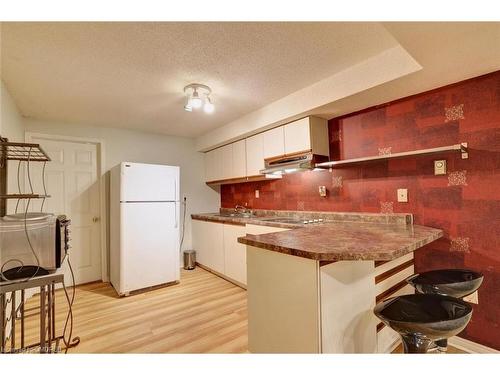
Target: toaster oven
{"type": "Point", "coordinates": [32, 245]}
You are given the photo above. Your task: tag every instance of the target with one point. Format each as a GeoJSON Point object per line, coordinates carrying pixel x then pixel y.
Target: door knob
{"type": "Point", "coordinates": [95, 219]}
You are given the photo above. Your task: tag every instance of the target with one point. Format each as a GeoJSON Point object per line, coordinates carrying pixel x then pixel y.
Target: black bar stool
{"type": "Point", "coordinates": [456, 283]}
{"type": "Point", "coordinates": [421, 319]}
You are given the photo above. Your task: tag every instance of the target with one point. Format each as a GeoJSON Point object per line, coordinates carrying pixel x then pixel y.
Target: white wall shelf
{"type": "Point", "coordinates": [461, 147]}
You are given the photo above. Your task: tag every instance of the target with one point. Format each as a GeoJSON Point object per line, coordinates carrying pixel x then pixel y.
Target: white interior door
{"type": "Point", "coordinates": [73, 184]}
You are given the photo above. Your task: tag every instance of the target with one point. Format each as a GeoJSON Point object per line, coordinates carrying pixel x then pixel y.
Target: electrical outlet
{"type": "Point", "coordinates": [402, 195]}
{"type": "Point", "coordinates": [439, 167]}
{"type": "Point", "coordinates": [257, 194]}
{"type": "Point", "coordinates": [472, 298]}
{"type": "Point", "coordinates": [322, 191]}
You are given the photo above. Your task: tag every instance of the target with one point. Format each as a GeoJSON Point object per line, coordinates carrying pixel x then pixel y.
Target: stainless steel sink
{"type": "Point", "coordinates": [237, 215]}
{"type": "Point", "coordinates": [285, 220]}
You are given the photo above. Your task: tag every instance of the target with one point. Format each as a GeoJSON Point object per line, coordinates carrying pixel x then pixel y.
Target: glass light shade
{"type": "Point", "coordinates": [195, 100]}
{"type": "Point", "coordinates": [208, 107]}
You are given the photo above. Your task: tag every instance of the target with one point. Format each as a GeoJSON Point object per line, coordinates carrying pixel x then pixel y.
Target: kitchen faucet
{"type": "Point", "coordinates": [245, 209]}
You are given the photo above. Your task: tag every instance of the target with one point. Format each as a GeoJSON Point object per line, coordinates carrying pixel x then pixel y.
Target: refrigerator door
{"type": "Point", "coordinates": [149, 237]}
{"type": "Point", "coordinates": [149, 182]}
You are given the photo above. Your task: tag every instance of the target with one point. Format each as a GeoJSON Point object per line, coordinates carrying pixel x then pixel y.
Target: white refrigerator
{"type": "Point", "coordinates": [144, 226]}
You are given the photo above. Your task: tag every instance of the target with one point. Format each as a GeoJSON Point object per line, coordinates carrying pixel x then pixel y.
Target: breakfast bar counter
{"type": "Point", "coordinates": [312, 288]}
{"type": "Point", "coordinates": [347, 241]}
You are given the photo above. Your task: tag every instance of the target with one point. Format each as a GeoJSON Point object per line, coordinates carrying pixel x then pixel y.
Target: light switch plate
{"type": "Point", "coordinates": [439, 167]}
{"type": "Point", "coordinates": [322, 191]}
{"type": "Point", "coordinates": [472, 298]}
{"type": "Point", "coordinates": [257, 194]}
{"type": "Point", "coordinates": [402, 195]}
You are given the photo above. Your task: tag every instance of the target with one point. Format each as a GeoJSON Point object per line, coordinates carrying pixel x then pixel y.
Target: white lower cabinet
{"type": "Point", "coordinates": [218, 249]}
{"type": "Point", "coordinates": [235, 253]}
{"type": "Point", "coordinates": [262, 229]}
{"type": "Point", "coordinates": [208, 241]}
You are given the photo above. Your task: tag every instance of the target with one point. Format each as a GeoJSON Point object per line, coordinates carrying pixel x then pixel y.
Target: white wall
{"type": "Point", "coordinates": [11, 127]}
{"type": "Point", "coordinates": [135, 146]}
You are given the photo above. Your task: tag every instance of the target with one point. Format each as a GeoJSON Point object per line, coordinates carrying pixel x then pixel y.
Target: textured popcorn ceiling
{"type": "Point", "coordinates": [131, 75]}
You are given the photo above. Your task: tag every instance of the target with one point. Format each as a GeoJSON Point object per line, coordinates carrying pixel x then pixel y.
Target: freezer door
{"type": "Point", "coordinates": [149, 253]}
{"type": "Point", "coordinates": [149, 182]}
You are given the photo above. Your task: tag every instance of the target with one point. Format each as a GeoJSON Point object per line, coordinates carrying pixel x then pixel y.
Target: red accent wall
{"type": "Point", "coordinates": [465, 202]}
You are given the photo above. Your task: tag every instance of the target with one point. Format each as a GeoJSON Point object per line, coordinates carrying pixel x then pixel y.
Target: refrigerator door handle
{"type": "Point", "coordinates": [176, 216]}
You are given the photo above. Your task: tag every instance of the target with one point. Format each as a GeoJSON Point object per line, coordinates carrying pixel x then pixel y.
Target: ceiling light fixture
{"type": "Point", "coordinates": [209, 106]}
{"type": "Point", "coordinates": [198, 96]}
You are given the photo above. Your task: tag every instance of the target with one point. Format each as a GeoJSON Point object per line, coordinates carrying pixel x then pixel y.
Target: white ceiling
{"type": "Point", "coordinates": [131, 75]}
{"type": "Point", "coordinates": [428, 55]}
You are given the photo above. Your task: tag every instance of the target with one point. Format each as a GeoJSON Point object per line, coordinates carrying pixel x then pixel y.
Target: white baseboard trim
{"type": "Point", "coordinates": [470, 346]}
{"type": "Point", "coordinates": [459, 343]}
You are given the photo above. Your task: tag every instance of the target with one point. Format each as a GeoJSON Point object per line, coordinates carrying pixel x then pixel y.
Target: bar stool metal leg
{"type": "Point", "coordinates": [415, 343]}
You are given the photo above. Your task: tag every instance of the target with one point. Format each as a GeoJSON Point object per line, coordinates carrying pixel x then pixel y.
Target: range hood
{"type": "Point", "coordinates": [292, 163]}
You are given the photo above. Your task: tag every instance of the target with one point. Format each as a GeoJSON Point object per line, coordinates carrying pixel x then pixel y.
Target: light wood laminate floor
{"type": "Point", "coordinates": [202, 314]}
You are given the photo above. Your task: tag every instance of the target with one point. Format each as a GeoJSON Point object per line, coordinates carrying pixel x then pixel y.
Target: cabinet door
{"type": "Point", "coordinates": [226, 161]}
{"type": "Point", "coordinates": [208, 242]}
{"type": "Point", "coordinates": [297, 136]}
{"type": "Point", "coordinates": [274, 142]}
{"type": "Point", "coordinates": [217, 165]}
{"type": "Point", "coordinates": [239, 159]}
{"type": "Point", "coordinates": [209, 166]}
{"type": "Point", "coordinates": [262, 229]}
{"type": "Point", "coordinates": [255, 154]}
{"type": "Point", "coordinates": [235, 253]}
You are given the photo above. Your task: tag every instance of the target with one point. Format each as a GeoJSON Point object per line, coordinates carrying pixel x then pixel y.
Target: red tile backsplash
{"type": "Point", "coordinates": [465, 202]}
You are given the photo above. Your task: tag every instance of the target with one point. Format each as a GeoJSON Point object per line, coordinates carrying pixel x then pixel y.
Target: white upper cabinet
{"type": "Point", "coordinates": [274, 142]}
{"type": "Point", "coordinates": [239, 159]}
{"type": "Point", "coordinates": [210, 166]}
{"type": "Point", "coordinates": [245, 158]}
{"type": "Point", "coordinates": [226, 160]}
{"type": "Point", "coordinates": [297, 136]}
{"type": "Point", "coordinates": [255, 154]}
{"type": "Point", "coordinates": [214, 167]}
{"type": "Point", "coordinates": [310, 133]}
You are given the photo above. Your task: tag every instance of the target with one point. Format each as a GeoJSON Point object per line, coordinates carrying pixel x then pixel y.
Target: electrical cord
{"type": "Point", "coordinates": [44, 186]}
{"type": "Point", "coordinates": [69, 318]}
{"type": "Point", "coordinates": [18, 184]}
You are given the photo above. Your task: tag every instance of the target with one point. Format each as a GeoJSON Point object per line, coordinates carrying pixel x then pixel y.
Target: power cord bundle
{"type": "Point", "coordinates": [69, 318]}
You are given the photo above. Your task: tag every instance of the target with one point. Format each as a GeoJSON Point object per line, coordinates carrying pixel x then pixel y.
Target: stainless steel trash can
{"type": "Point", "coordinates": [189, 259]}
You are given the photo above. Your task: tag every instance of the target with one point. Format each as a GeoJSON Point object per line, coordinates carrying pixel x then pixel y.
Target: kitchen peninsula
{"type": "Point", "coordinates": [313, 289]}
{"type": "Point", "coordinates": [313, 278]}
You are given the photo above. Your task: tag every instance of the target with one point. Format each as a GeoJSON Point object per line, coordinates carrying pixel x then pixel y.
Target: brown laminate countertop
{"type": "Point", "coordinates": [238, 220]}
{"type": "Point", "coordinates": [341, 236]}
{"type": "Point", "coordinates": [334, 241]}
